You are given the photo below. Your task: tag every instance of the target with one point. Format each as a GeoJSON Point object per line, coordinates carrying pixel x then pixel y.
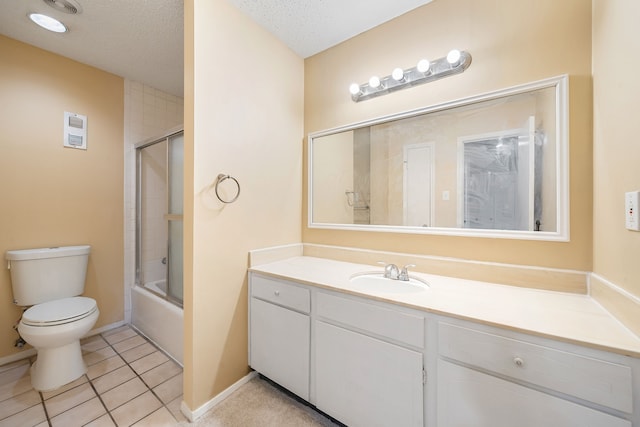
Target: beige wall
{"type": "Point", "coordinates": [511, 43]}
{"type": "Point", "coordinates": [243, 117]}
{"type": "Point", "coordinates": [616, 43]}
{"type": "Point", "coordinates": [60, 196]}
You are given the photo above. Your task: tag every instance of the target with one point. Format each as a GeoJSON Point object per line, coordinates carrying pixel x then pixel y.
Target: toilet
{"type": "Point", "coordinates": [50, 281]}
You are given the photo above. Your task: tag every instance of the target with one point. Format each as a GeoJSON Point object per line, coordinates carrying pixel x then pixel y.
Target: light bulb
{"type": "Point", "coordinates": [374, 82]}
{"type": "Point", "coordinates": [423, 65]}
{"type": "Point", "coordinates": [398, 74]}
{"type": "Point", "coordinates": [453, 57]}
{"type": "Point", "coordinates": [354, 89]}
{"type": "Point", "coordinates": [48, 22]}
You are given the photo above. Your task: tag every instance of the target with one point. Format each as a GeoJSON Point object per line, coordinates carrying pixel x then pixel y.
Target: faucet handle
{"type": "Point", "coordinates": [404, 274]}
{"type": "Point", "coordinates": [391, 271]}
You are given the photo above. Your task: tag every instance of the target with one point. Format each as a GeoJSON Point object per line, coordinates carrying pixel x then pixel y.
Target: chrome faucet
{"type": "Point", "coordinates": [391, 271]}
{"type": "Point", "coordinates": [404, 274]}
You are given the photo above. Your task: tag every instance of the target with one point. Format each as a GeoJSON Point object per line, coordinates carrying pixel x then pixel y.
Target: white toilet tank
{"type": "Point", "coordinates": [46, 274]}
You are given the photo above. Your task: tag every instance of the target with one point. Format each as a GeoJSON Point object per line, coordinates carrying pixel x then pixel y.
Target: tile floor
{"type": "Point", "coordinates": [129, 382]}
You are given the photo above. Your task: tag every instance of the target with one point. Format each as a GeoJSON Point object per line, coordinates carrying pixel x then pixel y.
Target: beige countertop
{"type": "Point", "coordinates": [567, 317]}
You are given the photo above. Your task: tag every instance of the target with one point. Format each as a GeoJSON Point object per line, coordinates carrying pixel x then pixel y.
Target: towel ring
{"type": "Point", "coordinates": [221, 178]}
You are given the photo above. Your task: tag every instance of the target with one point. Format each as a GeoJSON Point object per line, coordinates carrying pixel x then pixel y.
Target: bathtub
{"type": "Point", "coordinates": [159, 320]}
{"type": "Point", "coordinates": [159, 286]}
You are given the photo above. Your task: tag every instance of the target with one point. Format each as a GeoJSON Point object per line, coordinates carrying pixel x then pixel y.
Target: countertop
{"type": "Point", "coordinates": [573, 318]}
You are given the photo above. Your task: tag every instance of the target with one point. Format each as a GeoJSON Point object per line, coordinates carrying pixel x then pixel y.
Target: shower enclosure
{"type": "Point", "coordinates": [159, 216]}
{"type": "Point", "coordinates": [158, 294]}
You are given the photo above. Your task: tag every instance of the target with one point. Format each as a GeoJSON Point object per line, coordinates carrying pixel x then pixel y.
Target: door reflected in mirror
{"type": "Point", "coordinates": [493, 165]}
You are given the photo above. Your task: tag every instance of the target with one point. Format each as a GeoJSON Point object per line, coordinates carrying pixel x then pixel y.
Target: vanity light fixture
{"type": "Point", "coordinates": [425, 71]}
{"type": "Point", "coordinates": [48, 23]}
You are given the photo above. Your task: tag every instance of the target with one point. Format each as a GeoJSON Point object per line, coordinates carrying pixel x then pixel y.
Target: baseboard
{"type": "Point", "coordinates": [194, 415]}
{"type": "Point", "coordinates": [32, 351]}
{"type": "Point", "coordinates": [17, 356]}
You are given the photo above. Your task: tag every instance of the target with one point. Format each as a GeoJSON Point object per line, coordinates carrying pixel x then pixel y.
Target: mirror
{"type": "Point", "coordinates": [493, 165]}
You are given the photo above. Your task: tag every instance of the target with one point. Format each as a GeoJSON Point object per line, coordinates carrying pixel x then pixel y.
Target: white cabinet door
{"type": "Point", "coordinates": [362, 381]}
{"type": "Point", "coordinates": [468, 398]}
{"type": "Point", "coordinates": [279, 341]}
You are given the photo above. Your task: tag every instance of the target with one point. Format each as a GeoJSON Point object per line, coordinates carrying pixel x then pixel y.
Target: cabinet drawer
{"type": "Point", "coordinates": [467, 397]}
{"type": "Point", "coordinates": [280, 293]}
{"type": "Point", "coordinates": [594, 380]}
{"type": "Point", "coordinates": [401, 327]}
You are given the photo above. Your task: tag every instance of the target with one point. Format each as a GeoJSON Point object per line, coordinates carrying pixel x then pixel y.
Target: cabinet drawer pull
{"type": "Point", "coordinates": [518, 361]}
{"type": "Point", "coordinates": [276, 293]}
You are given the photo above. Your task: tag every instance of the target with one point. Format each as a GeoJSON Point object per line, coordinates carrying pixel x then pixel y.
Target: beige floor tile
{"type": "Point", "coordinates": [113, 379]}
{"type": "Point", "coordinates": [104, 367]}
{"type": "Point", "coordinates": [19, 403]}
{"type": "Point", "coordinates": [136, 409]}
{"type": "Point", "coordinates": [174, 408]}
{"type": "Point", "coordinates": [14, 374]}
{"type": "Point", "coordinates": [161, 373]}
{"type": "Point", "coordinates": [42, 424]}
{"type": "Point", "coordinates": [93, 357]}
{"type": "Point", "coordinates": [149, 362]}
{"type": "Point", "coordinates": [29, 417]}
{"type": "Point", "coordinates": [138, 352]}
{"type": "Point", "coordinates": [103, 421]}
{"type": "Point", "coordinates": [129, 343]}
{"type": "Point", "coordinates": [69, 399]}
{"type": "Point", "coordinates": [160, 418]}
{"type": "Point", "coordinates": [120, 336]}
{"type": "Point", "coordinates": [15, 382]}
{"type": "Point", "coordinates": [116, 330]}
{"type": "Point", "coordinates": [80, 415]}
{"type": "Point", "coordinates": [49, 394]}
{"type": "Point", "coordinates": [170, 389]}
{"type": "Point", "coordinates": [123, 393]}
{"type": "Point", "coordinates": [93, 343]}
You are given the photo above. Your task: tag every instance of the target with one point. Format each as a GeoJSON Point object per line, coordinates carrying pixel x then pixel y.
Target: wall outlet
{"type": "Point", "coordinates": [632, 210]}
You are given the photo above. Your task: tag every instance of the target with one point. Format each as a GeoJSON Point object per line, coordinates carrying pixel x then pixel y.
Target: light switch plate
{"type": "Point", "coordinates": [632, 210]}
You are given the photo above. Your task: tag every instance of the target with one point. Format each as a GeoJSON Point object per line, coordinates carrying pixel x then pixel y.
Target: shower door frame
{"type": "Point", "coordinates": [168, 217]}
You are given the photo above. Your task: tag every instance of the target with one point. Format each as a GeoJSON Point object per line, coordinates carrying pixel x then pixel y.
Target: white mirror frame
{"type": "Point", "coordinates": [561, 85]}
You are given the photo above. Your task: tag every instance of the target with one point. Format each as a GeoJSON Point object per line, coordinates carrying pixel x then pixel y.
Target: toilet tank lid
{"type": "Point", "coordinates": [41, 253]}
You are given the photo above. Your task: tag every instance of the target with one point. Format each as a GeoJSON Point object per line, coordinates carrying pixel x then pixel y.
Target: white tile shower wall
{"type": "Point", "coordinates": [148, 112]}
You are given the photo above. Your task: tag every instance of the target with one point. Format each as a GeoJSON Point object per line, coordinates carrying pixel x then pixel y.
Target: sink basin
{"type": "Point", "coordinates": [376, 282]}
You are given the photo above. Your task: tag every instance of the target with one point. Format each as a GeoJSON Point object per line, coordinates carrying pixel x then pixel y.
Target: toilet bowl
{"type": "Point", "coordinates": [50, 281]}
{"type": "Point", "coordinates": [54, 329]}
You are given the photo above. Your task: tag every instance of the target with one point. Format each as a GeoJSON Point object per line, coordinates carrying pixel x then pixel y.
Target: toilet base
{"type": "Point", "coordinates": [57, 366]}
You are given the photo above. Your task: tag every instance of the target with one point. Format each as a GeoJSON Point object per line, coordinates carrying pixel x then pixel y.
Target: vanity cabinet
{"type": "Point", "coordinates": [279, 340]}
{"type": "Point", "coordinates": [486, 379]}
{"type": "Point", "coordinates": [362, 361]}
{"type": "Point", "coordinates": [368, 363]}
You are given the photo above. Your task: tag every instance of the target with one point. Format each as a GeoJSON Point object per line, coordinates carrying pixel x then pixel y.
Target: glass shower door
{"type": "Point", "coordinates": [159, 217]}
{"type": "Point", "coordinates": [174, 217]}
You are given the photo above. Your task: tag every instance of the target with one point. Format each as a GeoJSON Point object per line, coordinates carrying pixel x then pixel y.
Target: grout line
{"type": "Point", "coordinates": [46, 413]}
{"type": "Point", "coordinates": [141, 379]}
{"type": "Point", "coordinates": [101, 401]}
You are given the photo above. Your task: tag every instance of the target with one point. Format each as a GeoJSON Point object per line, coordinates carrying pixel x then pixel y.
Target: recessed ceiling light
{"type": "Point", "coordinates": [48, 23]}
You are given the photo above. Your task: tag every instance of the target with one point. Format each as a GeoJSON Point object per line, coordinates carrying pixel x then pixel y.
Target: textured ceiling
{"type": "Point", "coordinates": [311, 26]}
{"type": "Point", "coordinates": [142, 40]}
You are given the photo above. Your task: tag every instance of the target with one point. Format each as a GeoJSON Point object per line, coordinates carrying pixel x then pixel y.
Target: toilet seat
{"type": "Point", "coordinates": [58, 312]}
